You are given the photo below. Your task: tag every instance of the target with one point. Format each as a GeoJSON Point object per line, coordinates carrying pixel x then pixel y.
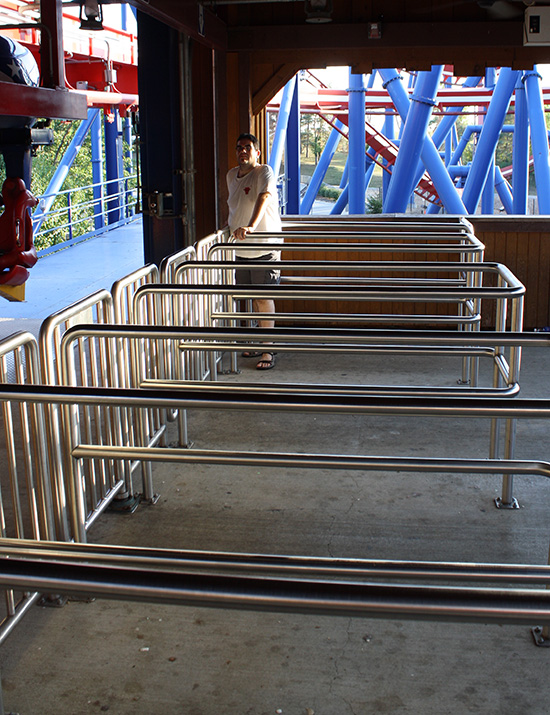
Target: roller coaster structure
{"type": "Point", "coordinates": [420, 161]}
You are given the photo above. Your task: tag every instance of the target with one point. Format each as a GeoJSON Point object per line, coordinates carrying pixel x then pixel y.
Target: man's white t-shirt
{"type": "Point", "coordinates": [243, 193]}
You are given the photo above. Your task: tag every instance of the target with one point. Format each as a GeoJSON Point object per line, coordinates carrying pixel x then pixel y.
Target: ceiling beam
{"type": "Point", "coordinates": [189, 17]}
{"type": "Point", "coordinates": [395, 35]}
{"type": "Point", "coordinates": [273, 82]}
{"type": "Point", "coordinates": [408, 45]}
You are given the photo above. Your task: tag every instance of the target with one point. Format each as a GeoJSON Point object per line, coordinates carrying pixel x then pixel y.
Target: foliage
{"type": "Point", "coordinates": [77, 193]}
{"type": "Point", "coordinates": [373, 205]}
{"type": "Point", "coordinates": [329, 192]}
{"type": "Point", "coordinates": [45, 163]}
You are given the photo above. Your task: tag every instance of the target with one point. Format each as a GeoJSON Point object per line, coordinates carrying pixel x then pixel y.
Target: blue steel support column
{"type": "Point", "coordinates": [444, 127]}
{"type": "Point", "coordinates": [488, 138]}
{"type": "Point", "coordinates": [127, 156]}
{"type": "Point", "coordinates": [429, 154]}
{"type": "Point", "coordinates": [370, 165]}
{"type": "Point", "coordinates": [412, 142]}
{"type": "Point", "coordinates": [342, 200]}
{"type": "Point", "coordinates": [463, 143]}
{"type": "Point", "coordinates": [490, 77]}
{"type": "Point", "coordinates": [292, 155]}
{"type": "Point", "coordinates": [282, 124]}
{"type": "Point", "coordinates": [389, 132]}
{"type": "Point", "coordinates": [357, 143]}
{"type": "Point", "coordinates": [503, 190]}
{"type": "Point", "coordinates": [539, 138]}
{"type": "Point", "coordinates": [520, 152]}
{"type": "Point", "coordinates": [448, 120]}
{"type": "Point", "coordinates": [321, 168]}
{"type": "Point", "coordinates": [63, 169]}
{"type": "Point", "coordinates": [345, 173]}
{"type": "Point", "coordinates": [488, 193]}
{"type": "Point", "coordinates": [112, 167]}
{"type": "Point", "coordinates": [97, 172]}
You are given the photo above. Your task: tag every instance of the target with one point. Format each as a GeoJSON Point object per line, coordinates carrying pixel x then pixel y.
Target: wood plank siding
{"type": "Point", "coordinates": [522, 244]}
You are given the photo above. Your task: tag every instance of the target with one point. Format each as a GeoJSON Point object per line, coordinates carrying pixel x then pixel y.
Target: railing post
{"type": "Point", "coordinates": [97, 173]}
{"type": "Point", "coordinates": [69, 216]}
{"type": "Point", "coordinates": [112, 150]}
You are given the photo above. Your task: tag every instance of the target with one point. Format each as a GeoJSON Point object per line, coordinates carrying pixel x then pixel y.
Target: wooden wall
{"type": "Point", "coordinates": [521, 244]}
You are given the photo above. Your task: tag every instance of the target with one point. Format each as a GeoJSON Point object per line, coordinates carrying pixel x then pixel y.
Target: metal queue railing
{"type": "Point", "coordinates": [92, 365]}
{"type": "Point", "coordinates": [380, 223]}
{"type": "Point", "coordinates": [461, 243]}
{"type": "Point", "coordinates": [462, 287]}
{"type": "Point", "coordinates": [472, 250]}
{"type": "Point", "coordinates": [339, 342]}
{"type": "Point", "coordinates": [364, 588]}
{"type": "Point", "coordinates": [437, 601]}
{"type": "Point", "coordinates": [430, 239]}
{"type": "Point", "coordinates": [508, 293]}
{"type": "Point", "coordinates": [28, 499]}
{"type": "Point", "coordinates": [179, 314]}
{"type": "Point", "coordinates": [81, 489]}
{"type": "Point", "coordinates": [142, 427]}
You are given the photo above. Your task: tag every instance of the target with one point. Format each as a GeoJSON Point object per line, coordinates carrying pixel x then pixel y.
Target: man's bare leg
{"type": "Point", "coordinates": [264, 306]}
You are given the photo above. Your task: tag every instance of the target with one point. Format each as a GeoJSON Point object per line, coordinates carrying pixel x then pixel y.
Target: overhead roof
{"type": "Point", "coordinates": [470, 34]}
{"type": "Point", "coordinates": [276, 40]}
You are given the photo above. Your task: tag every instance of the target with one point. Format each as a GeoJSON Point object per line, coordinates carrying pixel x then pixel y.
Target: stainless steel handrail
{"type": "Point", "coordinates": [283, 583]}
{"type": "Point", "coordinates": [26, 499]}
{"type": "Point", "coordinates": [86, 365]}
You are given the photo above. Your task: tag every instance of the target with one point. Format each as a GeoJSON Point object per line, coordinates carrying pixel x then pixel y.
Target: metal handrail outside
{"type": "Point", "coordinates": [99, 212]}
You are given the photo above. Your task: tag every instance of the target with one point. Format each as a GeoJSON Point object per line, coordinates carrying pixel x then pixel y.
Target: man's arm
{"type": "Point", "coordinates": [257, 213]}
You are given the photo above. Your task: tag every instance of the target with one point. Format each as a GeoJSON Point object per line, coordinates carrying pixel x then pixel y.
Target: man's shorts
{"type": "Point", "coordinates": [257, 276]}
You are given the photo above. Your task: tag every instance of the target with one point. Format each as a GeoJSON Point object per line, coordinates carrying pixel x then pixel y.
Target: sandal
{"type": "Point", "coordinates": [268, 363]}
{"type": "Point", "coordinates": [251, 353]}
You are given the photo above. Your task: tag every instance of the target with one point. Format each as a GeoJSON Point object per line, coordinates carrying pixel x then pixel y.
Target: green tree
{"type": "Point", "coordinates": [44, 165]}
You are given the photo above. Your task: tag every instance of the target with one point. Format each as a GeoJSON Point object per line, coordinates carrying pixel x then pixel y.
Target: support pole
{"type": "Point", "coordinates": [520, 151]}
{"type": "Point", "coordinates": [321, 168]}
{"type": "Point", "coordinates": [488, 194]}
{"type": "Point", "coordinates": [539, 138]}
{"type": "Point", "coordinates": [413, 140]}
{"type": "Point", "coordinates": [128, 157]}
{"type": "Point", "coordinates": [276, 155]}
{"type": "Point", "coordinates": [389, 133]}
{"type": "Point", "coordinates": [503, 190]}
{"type": "Point", "coordinates": [463, 143]}
{"type": "Point", "coordinates": [429, 154]}
{"type": "Point", "coordinates": [97, 172]}
{"type": "Point", "coordinates": [488, 138]}
{"type": "Point", "coordinates": [292, 155]}
{"type": "Point", "coordinates": [448, 121]}
{"type": "Point", "coordinates": [341, 202]}
{"type": "Point", "coordinates": [357, 143]}
{"type": "Point", "coordinates": [113, 147]}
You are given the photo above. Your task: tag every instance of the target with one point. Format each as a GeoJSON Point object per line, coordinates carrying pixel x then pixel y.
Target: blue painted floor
{"type": "Point", "coordinates": [62, 278]}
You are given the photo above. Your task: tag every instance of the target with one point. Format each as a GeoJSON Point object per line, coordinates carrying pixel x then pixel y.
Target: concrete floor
{"type": "Point", "coordinates": [128, 658]}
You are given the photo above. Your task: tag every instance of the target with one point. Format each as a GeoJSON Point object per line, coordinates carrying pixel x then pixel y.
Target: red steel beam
{"type": "Point", "coordinates": [17, 100]}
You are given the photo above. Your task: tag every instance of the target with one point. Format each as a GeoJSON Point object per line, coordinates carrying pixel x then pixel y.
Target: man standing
{"type": "Point", "coordinates": [253, 206]}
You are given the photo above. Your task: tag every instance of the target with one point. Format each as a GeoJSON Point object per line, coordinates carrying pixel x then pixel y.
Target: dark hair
{"type": "Point", "coordinates": [251, 138]}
